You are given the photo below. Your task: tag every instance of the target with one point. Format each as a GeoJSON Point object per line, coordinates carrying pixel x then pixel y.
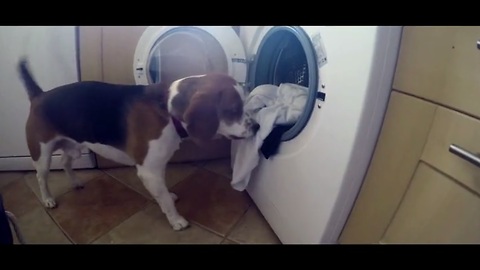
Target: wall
{"type": "Point", "coordinates": [106, 54]}
{"type": "Point", "coordinates": [52, 59]}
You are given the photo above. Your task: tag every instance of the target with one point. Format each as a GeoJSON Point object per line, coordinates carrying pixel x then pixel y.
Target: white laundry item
{"type": "Point", "coordinates": [269, 105]}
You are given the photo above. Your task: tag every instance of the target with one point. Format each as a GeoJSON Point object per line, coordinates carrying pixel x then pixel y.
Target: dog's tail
{"type": "Point", "coordinates": [33, 90]}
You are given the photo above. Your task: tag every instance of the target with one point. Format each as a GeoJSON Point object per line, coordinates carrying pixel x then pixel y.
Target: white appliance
{"type": "Point", "coordinates": [307, 190]}
{"type": "Point", "coordinates": [52, 56]}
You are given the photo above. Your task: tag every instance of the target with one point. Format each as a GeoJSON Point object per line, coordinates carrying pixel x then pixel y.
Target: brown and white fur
{"type": "Point", "coordinates": [130, 124]}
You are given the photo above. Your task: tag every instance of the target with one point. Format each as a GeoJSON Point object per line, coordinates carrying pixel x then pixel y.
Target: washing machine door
{"type": "Point", "coordinates": [289, 54]}
{"type": "Point", "coordinates": [168, 53]}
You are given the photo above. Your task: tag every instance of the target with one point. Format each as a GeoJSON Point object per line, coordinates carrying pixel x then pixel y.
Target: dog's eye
{"type": "Point", "coordinates": [233, 113]}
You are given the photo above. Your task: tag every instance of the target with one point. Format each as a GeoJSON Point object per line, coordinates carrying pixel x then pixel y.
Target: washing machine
{"type": "Point", "coordinates": [305, 191]}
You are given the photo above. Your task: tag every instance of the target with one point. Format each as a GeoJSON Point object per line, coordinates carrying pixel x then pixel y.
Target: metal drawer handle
{"type": "Point", "coordinates": [468, 156]}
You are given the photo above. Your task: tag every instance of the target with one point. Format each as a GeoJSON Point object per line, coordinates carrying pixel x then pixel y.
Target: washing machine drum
{"type": "Point", "coordinates": [168, 53]}
{"type": "Point", "coordinates": [184, 53]}
{"type": "Point", "coordinates": [281, 58]}
{"type": "Point", "coordinates": [287, 54]}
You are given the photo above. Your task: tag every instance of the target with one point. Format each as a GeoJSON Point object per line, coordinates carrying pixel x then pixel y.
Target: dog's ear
{"type": "Point", "coordinates": [201, 116]}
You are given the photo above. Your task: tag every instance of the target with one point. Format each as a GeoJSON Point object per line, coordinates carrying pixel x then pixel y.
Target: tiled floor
{"type": "Point", "coordinates": [115, 208]}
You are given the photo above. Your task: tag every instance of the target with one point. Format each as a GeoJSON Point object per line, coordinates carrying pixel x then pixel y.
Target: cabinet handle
{"type": "Point", "coordinates": [478, 44]}
{"type": "Point", "coordinates": [464, 154]}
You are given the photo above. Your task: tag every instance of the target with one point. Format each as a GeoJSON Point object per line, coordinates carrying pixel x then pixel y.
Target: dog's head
{"type": "Point", "coordinates": [211, 105]}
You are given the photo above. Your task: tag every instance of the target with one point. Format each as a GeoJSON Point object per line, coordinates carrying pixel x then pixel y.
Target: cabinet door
{"type": "Point", "coordinates": [118, 47]}
{"type": "Point", "coordinates": [451, 127]}
{"type": "Point", "coordinates": [462, 81]}
{"type": "Point", "coordinates": [90, 53]}
{"type": "Point", "coordinates": [404, 133]}
{"type": "Point", "coordinates": [441, 64]}
{"type": "Point", "coordinates": [436, 209]}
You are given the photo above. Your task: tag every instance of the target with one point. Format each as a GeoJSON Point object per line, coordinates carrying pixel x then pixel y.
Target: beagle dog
{"type": "Point", "coordinates": [137, 125]}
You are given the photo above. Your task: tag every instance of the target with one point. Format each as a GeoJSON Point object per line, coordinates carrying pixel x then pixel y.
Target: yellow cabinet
{"type": "Point", "coordinates": [441, 64]}
{"type": "Point", "coordinates": [417, 189]}
{"type": "Point", "coordinates": [453, 128]}
{"type": "Point", "coordinates": [436, 209]}
{"type": "Point", "coordinates": [391, 168]}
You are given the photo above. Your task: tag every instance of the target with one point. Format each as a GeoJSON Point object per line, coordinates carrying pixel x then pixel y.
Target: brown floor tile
{"type": "Point", "coordinates": [18, 198]}
{"type": "Point", "coordinates": [228, 242]}
{"type": "Point", "coordinates": [208, 199]}
{"type": "Point", "coordinates": [8, 177]}
{"type": "Point", "coordinates": [58, 182]}
{"type": "Point", "coordinates": [220, 166]}
{"type": "Point", "coordinates": [174, 174]}
{"type": "Point", "coordinates": [91, 212]}
{"type": "Point", "coordinates": [150, 226]}
{"type": "Point", "coordinates": [37, 227]}
{"type": "Point", "coordinates": [253, 229]}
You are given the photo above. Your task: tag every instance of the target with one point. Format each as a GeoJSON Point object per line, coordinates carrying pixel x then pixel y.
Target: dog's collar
{"type": "Point", "coordinates": [178, 126]}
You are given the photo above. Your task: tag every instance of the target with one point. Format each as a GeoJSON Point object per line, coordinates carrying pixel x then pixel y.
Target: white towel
{"type": "Point", "coordinates": [269, 105]}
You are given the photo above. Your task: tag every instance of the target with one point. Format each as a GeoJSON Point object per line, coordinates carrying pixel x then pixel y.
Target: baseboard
{"type": "Point", "coordinates": [86, 160]}
{"type": "Point", "coordinates": [188, 152]}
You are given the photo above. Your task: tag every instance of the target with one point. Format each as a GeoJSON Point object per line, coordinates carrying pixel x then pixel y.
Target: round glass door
{"type": "Point", "coordinates": [286, 55]}
{"type": "Point", "coordinates": [184, 51]}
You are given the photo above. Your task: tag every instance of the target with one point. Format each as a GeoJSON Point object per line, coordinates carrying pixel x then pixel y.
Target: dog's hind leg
{"type": "Point", "coordinates": [42, 166]}
{"type": "Point", "coordinates": [71, 152]}
{"type": "Point", "coordinates": [67, 161]}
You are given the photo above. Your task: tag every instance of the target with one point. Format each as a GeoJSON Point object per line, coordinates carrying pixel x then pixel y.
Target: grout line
{"type": "Point", "coordinates": [231, 240]}
{"type": "Point", "coordinates": [205, 228]}
{"type": "Point", "coordinates": [59, 227]}
{"type": "Point", "coordinates": [85, 182]}
{"type": "Point", "coordinates": [229, 176]}
{"type": "Point", "coordinates": [130, 187]}
{"type": "Point", "coordinates": [235, 225]}
{"type": "Point", "coordinates": [121, 222]}
{"type": "Point", "coordinates": [69, 190]}
{"type": "Point", "coordinates": [224, 237]}
{"type": "Point", "coordinates": [197, 168]}
{"type": "Point", "coordinates": [53, 219]}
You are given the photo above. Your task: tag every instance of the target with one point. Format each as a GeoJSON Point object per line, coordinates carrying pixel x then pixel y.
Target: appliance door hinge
{"type": "Point", "coordinates": [246, 62]}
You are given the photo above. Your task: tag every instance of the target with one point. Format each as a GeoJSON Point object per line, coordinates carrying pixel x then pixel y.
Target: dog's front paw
{"type": "Point", "coordinates": [49, 203]}
{"type": "Point", "coordinates": [179, 223]}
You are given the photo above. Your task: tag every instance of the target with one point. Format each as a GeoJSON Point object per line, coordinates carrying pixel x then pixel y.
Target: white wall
{"type": "Point", "coordinates": [51, 51]}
